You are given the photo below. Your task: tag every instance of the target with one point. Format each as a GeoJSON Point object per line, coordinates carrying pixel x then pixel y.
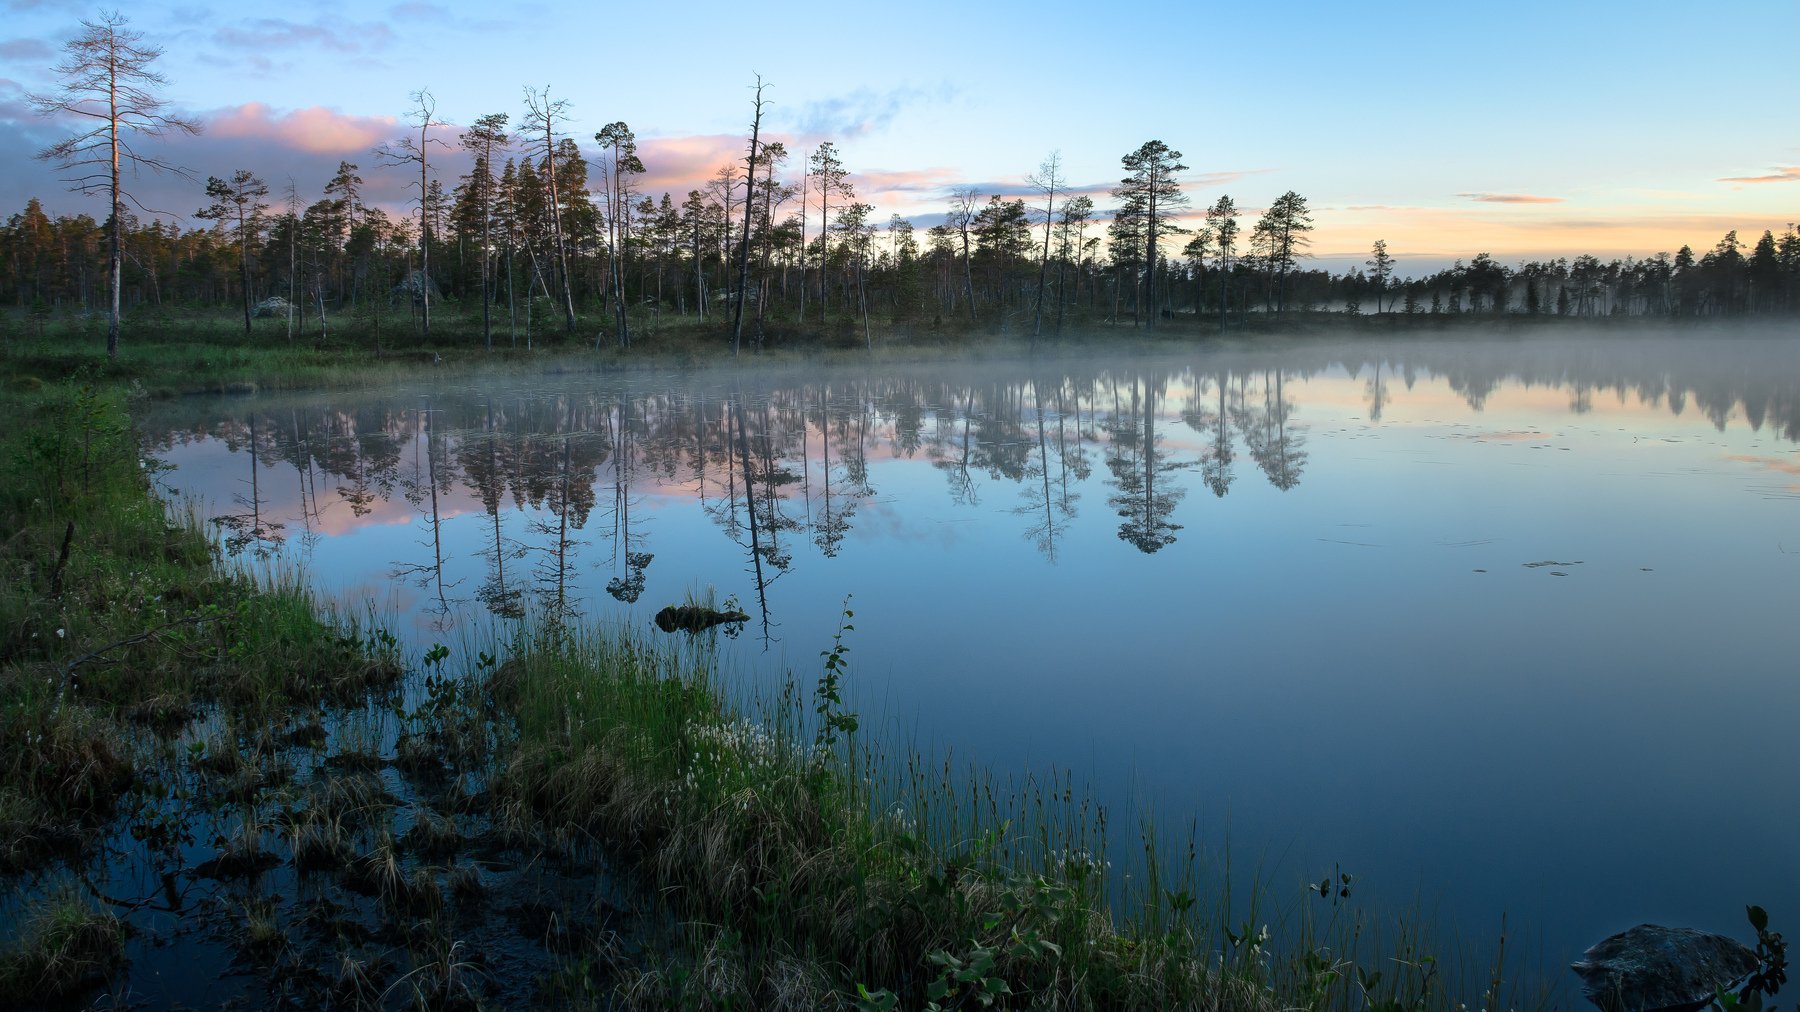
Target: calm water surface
{"type": "Point", "coordinates": [1503, 626]}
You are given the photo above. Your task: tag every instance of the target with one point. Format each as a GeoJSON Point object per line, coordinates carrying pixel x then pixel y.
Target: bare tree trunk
{"type": "Point", "coordinates": [737, 316]}
{"type": "Point", "coordinates": [424, 233]}
{"type": "Point", "coordinates": [803, 181]}
{"type": "Point", "coordinates": [968, 270]}
{"type": "Point", "coordinates": [243, 265]}
{"type": "Point", "coordinates": [115, 241]}
{"type": "Point", "coordinates": [293, 255]}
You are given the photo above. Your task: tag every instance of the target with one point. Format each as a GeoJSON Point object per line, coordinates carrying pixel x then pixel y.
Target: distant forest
{"type": "Point", "coordinates": [338, 256]}
{"type": "Point", "coordinates": [541, 232]}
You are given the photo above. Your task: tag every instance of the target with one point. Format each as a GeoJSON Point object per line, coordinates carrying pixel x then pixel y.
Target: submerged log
{"type": "Point", "coordinates": [1650, 967]}
{"type": "Point", "coordinates": [694, 618]}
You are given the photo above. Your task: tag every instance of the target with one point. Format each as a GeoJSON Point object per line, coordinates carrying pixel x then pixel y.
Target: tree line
{"type": "Point", "coordinates": [544, 231]}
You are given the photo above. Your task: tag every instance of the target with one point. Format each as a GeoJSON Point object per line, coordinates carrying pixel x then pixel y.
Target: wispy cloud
{"type": "Point", "coordinates": [422, 14]}
{"type": "Point", "coordinates": [263, 36]}
{"type": "Point", "coordinates": [934, 179]}
{"type": "Point", "coordinates": [1782, 174]}
{"type": "Point", "coordinates": [1510, 198]}
{"type": "Point", "coordinates": [26, 49]}
{"type": "Point", "coordinates": [418, 11]}
{"type": "Point", "coordinates": [857, 113]}
{"type": "Point", "coordinates": [1206, 179]}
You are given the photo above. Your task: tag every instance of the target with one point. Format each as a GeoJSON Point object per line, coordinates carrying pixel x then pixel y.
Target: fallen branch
{"type": "Point", "coordinates": [198, 618]}
{"type": "Point", "coordinates": [94, 655]}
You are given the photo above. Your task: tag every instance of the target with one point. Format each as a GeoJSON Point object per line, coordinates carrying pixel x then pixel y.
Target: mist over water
{"type": "Point", "coordinates": [1502, 624]}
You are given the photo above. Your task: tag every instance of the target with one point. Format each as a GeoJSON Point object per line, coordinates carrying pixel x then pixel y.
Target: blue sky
{"type": "Point", "coordinates": [1529, 129]}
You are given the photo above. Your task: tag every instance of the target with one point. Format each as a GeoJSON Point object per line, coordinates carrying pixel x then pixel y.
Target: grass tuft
{"type": "Point", "coordinates": [63, 947]}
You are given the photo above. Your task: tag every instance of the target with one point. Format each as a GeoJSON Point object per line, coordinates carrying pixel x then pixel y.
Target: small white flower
{"type": "Point", "coordinates": [60, 633]}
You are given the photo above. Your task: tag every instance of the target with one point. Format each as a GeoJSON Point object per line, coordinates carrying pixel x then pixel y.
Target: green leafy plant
{"type": "Point", "coordinates": [1770, 973]}
{"type": "Point", "coordinates": [834, 721]}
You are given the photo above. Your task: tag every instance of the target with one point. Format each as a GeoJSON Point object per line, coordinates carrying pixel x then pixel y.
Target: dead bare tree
{"type": "Point", "coordinates": [737, 316]}
{"type": "Point", "coordinates": [107, 83]}
{"type": "Point", "coordinates": [541, 117]}
{"type": "Point", "coordinates": [1049, 181]}
{"type": "Point", "coordinates": [406, 151]}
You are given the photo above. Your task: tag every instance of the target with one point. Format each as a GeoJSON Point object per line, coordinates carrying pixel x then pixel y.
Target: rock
{"type": "Point", "coordinates": [1651, 967]}
{"type": "Point", "coordinates": [693, 618]}
{"type": "Point", "coordinates": [417, 286]}
{"type": "Point", "coordinates": [274, 305]}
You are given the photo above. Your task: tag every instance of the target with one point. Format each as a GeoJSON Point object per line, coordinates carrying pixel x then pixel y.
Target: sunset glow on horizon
{"type": "Point", "coordinates": [1557, 132]}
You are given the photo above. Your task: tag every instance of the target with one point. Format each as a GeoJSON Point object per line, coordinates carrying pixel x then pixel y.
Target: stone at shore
{"type": "Point", "coordinates": [1650, 967]}
{"type": "Point", "coordinates": [693, 618]}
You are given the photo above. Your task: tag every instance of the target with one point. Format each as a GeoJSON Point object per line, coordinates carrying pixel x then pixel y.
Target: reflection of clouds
{"type": "Point", "coordinates": [1780, 465]}
{"type": "Point", "coordinates": [878, 517]}
{"type": "Point", "coordinates": [1508, 437]}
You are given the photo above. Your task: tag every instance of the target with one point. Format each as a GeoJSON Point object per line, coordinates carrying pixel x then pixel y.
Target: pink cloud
{"type": "Point", "coordinates": [316, 129]}
{"type": "Point", "coordinates": [1204, 179]}
{"type": "Point", "coordinates": [1510, 198]}
{"type": "Point", "coordinates": [678, 164]}
{"type": "Point", "coordinates": [1782, 174]}
{"type": "Point", "coordinates": [934, 179]}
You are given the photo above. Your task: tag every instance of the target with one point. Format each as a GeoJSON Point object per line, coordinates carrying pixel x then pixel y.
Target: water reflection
{"type": "Point", "coordinates": [995, 521]}
{"type": "Point", "coordinates": [784, 464]}
{"type": "Point", "coordinates": [247, 531]}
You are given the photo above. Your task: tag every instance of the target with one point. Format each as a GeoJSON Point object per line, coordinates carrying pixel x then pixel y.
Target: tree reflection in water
{"type": "Point", "coordinates": [787, 471]}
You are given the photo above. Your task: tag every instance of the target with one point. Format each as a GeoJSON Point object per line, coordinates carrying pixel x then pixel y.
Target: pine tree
{"type": "Point", "coordinates": [239, 200]}
{"type": "Point", "coordinates": [1151, 194]}
{"type": "Point", "coordinates": [1381, 267]}
{"type": "Point", "coordinates": [486, 138]}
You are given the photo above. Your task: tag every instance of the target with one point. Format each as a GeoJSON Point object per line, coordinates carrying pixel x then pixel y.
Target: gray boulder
{"type": "Point", "coordinates": [1650, 967]}
{"type": "Point", "coordinates": [274, 305]}
{"type": "Point", "coordinates": [418, 286]}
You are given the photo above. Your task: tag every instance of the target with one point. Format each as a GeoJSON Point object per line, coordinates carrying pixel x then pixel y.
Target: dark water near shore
{"type": "Point", "coordinates": [1505, 626]}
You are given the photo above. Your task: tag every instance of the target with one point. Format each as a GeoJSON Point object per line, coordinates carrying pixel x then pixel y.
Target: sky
{"type": "Point", "coordinates": [1529, 130]}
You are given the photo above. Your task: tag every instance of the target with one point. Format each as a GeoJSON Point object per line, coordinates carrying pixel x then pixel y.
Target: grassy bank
{"type": "Point", "coordinates": [820, 871]}
{"type": "Point", "coordinates": [568, 818]}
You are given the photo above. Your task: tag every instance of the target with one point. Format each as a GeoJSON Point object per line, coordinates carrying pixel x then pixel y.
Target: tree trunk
{"type": "Point", "coordinates": [737, 316]}
{"type": "Point", "coordinates": [117, 253]}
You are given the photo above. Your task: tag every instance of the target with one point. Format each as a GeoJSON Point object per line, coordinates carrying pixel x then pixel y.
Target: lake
{"type": "Point", "coordinates": [1501, 626]}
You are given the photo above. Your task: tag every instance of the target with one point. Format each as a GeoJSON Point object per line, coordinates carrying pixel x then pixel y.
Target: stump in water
{"type": "Point", "coordinates": [693, 618]}
{"type": "Point", "coordinates": [1651, 967]}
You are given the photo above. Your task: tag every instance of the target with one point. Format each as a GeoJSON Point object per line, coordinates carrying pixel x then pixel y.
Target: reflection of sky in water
{"type": "Point", "coordinates": [1361, 669]}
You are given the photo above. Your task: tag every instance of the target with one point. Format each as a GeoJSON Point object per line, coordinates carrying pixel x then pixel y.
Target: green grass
{"type": "Point", "coordinates": [63, 946]}
{"type": "Point", "coordinates": [116, 628]}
